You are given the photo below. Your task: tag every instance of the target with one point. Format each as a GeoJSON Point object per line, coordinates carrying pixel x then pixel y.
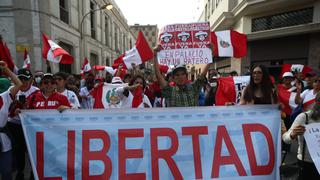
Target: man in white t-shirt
{"type": "Point", "coordinates": [86, 98]}
{"type": "Point", "coordinates": [6, 98]}
{"type": "Point", "coordinates": [14, 124]}
{"type": "Point", "coordinates": [61, 78]}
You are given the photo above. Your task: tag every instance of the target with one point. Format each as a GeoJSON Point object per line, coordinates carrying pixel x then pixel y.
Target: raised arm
{"type": "Point", "coordinates": [13, 77]}
{"type": "Point", "coordinates": [163, 83]}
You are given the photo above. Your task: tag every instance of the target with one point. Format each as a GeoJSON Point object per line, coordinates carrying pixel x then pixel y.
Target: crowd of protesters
{"type": "Point", "coordinates": [63, 91]}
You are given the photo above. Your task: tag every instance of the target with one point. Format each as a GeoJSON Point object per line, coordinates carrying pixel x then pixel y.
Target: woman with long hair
{"type": "Point", "coordinates": [309, 171]}
{"type": "Point", "coordinates": [260, 89]}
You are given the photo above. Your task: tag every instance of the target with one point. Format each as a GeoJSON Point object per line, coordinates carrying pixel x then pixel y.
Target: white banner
{"type": "Point", "coordinates": [312, 136]}
{"type": "Point", "coordinates": [230, 143]}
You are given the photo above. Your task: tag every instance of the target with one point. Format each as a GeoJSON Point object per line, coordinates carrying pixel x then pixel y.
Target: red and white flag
{"type": "Point", "coordinates": [295, 68]}
{"type": "Point", "coordinates": [54, 53]}
{"type": "Point", "coordinates": [137, 101]}
{"type": "Point", "coordinates": [26, 61]}
{"type": "Point", "coordinates": [5, 55]}
{"type": "Point", "coordinates": [139, 54]}
{"type": "Point", "coordinates": [105, 68]}
{"type": "Point", "coordinates": [86, 67]}
{"type": "Point", "coordinates": [229, 43]}
{"type": "Point", "coordinates": [286, 98]}
{"type": "Point", "coordinates": [229, 89]}
{"type": "Point", "coordinates": [163, 68]}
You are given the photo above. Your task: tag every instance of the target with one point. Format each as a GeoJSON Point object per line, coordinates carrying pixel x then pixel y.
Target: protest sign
{"type": "Point", "coordinates": [240, 142]}
{"type": "Point", "coordinates": [312, 136]}
{"type": "Point", "coordinates": [185, 44]}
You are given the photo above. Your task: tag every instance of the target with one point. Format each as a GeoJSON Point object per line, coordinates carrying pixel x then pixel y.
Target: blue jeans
{"type": "Point", "coordinates": [6, 165]}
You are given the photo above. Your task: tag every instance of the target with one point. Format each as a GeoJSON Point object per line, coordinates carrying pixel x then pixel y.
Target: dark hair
{"type": "Point", "coordinates": [144, 84]}
{"type": "Point", "coordinates": [265, 85]}
{"type": "Point", "coordinates": [63, 75]}
{"type": "Point", "coordinates": [127, 76]}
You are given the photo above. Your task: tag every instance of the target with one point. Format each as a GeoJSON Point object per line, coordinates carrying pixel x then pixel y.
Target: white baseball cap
{"type": "Point", "coordinates": [117, 80]}
{"type": "Point", "coordinates": [287, 74]}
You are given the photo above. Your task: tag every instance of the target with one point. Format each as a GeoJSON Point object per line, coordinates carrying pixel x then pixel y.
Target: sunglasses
{"type": "Point", "coordinates": [316, 81]}
{"type": "Point", "coordinates": [23, 78]}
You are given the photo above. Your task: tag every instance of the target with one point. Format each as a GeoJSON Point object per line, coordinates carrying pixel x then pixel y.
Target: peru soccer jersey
{"type": "Point", "coordinates": [39, 101]}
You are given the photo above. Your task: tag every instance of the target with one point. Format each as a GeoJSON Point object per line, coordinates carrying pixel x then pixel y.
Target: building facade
{"type": "Point", "coordinates": [278, 32]}
{"type": "Point", "coordinates": [101, 35]}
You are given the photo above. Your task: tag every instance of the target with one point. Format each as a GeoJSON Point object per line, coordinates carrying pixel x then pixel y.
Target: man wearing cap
{"type": "Point", "coordinates": [19, 144]}
{"type": "Point", "coordinates": [61, 78]}
{"type": "Point", "coordinates": [309, 80]}
{"type": "Point", "coordinates": [287, 79]}
{"type": "Point", "coordinates": [6, 97]}
{"type": "Point", "coordinates": [183, 94]}
{"type": "Point", "coordinates": [47, 97]}
{"type": "Point", "coordinates": [307, 97]}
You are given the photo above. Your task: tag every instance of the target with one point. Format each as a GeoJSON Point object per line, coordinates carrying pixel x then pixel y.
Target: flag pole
{"type": "Point", "coordinates": [48, 67]}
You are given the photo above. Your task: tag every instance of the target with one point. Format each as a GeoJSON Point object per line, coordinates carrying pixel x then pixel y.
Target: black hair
{"type": "Point", "coordinates": [144, 84]}
{"type": "Point", "coordinates": [63, 75]}
{"type": "Point", "coordinates": [266, 87]}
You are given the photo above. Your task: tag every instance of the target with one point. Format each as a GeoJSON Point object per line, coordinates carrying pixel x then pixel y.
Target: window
{"type": "Point", "coordinates": [123, 43]}
{"type": "Point", "coordinates": [66, 67]}
{"type": "Point", "coordinates": [130, 44]}
{"type": "Point", "coordinates": [92, 21]}
{"type": "Point", "coordinates": [64, 13]}
{"type": "Point", "coordinates": [212, 6]}
{"type": "Point", "coordinates": [209, 3]}
{"type": "Point", "coordinates": [286, 19]}
{"type": "Point", "coordinates": [206, 12]}
{"type": "Point", "coordinates": [116, 38]}
{"type": "Point", "coordinates": [108, 61]}
{"type": "Point", "coordinates": [107, 32]}
{"type": "Point", "coordinates": [93, 59]}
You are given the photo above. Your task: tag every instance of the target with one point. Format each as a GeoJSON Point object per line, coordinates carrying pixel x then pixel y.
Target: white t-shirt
{"type": "Point", "coordinates": [27, 93]}
{"type": "Point", "coordinates": [5, 102]}
{"type": "Point", "coordinates": [308, 96]}
{"type": "Point", "coordinates": [86, 103]}
{"type": "Point", "coordinates": [73, 99]}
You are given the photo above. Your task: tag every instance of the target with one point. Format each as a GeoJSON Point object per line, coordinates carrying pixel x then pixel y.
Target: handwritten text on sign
{"type": "Point", "coordinates": [189, 143]}
{"type": "Point", "coordinates": [312, 136]}
{"type": "Point", "coordinates": [185, 44]}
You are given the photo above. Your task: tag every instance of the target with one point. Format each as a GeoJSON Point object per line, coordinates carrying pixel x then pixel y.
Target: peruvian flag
{"type": "Point", "coordinates": [26, 61]}
{"type": "Point", "coordinates": [163, 68]}
{"type": "Point", "coordinates": [105, 68]}
{"type": "Point", "coordinates": [54, 53]}
{"type": "Point", "coordinates": [139, 54]}
{"type": "Point", "coordinates": [295, 68]}
{"type": "Point", "coordinates": [5, 55]}
{"type": "Point", "coordinates": [86, 67]}
{"type": "Point", "coordinates": [137, 101]}
{"type": "Point", "coordinates": [286, 98]}
{"type": "Point", "coordinates": [229, 43]}
{"type": "Point", "coordinates": [111, 70]}
{"type": "Point", "coordinates": [229, 89]}
{"type": "Point", "coordinates": [105, 96]}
